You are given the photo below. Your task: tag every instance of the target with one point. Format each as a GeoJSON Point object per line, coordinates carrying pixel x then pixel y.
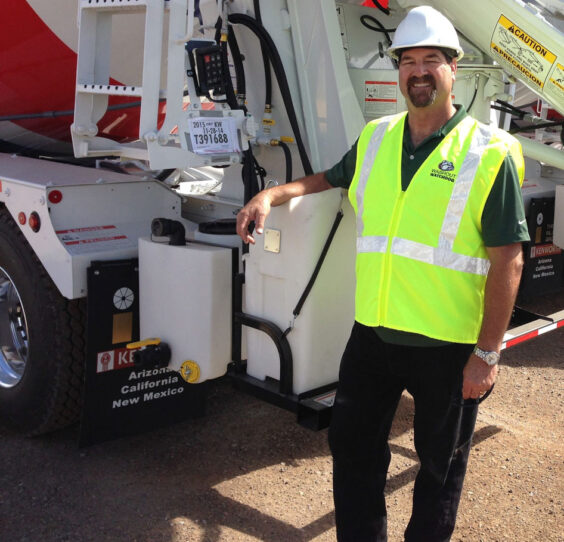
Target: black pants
{"type": "Point", "coordinates": [372, 378]}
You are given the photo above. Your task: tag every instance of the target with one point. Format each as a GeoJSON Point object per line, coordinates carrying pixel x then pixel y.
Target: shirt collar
{"type": "Point", "coordinates": [440, 133]}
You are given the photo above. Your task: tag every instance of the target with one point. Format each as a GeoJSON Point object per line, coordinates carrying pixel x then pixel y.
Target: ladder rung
{"type": "Point", "coordinates": [110, 90]}
{"type": "Point", "coordinates": [109, 5]}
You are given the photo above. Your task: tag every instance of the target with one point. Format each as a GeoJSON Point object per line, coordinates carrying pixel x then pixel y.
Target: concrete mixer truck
{"type": "Point", "coordinates": [132, 132]}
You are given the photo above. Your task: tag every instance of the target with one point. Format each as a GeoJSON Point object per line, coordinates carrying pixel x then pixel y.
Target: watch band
{"type": "Point", "coordinates": [490, 357]}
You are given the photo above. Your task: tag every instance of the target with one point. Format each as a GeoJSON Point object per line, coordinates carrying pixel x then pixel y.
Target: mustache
{"type": "Point", "coordinates": [424, 79]}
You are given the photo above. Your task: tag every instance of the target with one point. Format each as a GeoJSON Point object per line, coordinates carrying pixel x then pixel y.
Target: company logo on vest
{"type": "Point", "coordinates": [444, 171]}
{"type": "Point", "coordinates": [445, 165]}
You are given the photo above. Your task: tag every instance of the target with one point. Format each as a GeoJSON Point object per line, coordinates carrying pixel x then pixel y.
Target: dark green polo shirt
{"type": "Point", "coordinates": [503, 218]}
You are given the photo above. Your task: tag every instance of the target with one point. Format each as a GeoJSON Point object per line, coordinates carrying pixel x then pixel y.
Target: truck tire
{"type": "Point", "coordinates": [42, 341]}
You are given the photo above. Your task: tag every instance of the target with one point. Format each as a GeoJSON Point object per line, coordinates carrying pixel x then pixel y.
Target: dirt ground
{"type": "Point", "coordinates": [248, 472]}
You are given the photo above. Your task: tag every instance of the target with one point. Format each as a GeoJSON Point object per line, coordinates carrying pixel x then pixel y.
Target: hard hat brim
{"type": "Point", "coordinates": [393, 51]}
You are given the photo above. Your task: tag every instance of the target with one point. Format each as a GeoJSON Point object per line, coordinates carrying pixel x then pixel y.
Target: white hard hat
{"type": "Point", "coordinates": [425, 27]}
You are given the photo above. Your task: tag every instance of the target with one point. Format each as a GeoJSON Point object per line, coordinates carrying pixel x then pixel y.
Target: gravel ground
{"type": "Point", "coordinates": [248, 472]}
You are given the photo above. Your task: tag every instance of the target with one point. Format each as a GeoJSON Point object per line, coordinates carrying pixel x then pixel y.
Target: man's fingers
{"type": "Point", "coordinates": [467, 391]}
{"type": "Point", "coordinates": [259, 222]}
{"type": "Point", "coordinates": [243, 221]}
{"type": "Point", "coordinates": [255, 211]}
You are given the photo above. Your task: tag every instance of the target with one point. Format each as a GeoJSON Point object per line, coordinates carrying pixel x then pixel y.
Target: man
{"type": "Point", "coordinates": [440, 222]}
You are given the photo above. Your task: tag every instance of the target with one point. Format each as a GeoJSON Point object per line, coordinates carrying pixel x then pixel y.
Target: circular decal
{"type": "Point", "coordinates": [123, 298]}
{"type": "Point", "coordinates": [540, 219]}
{"type": "Point", "coordinates": [190, 371]}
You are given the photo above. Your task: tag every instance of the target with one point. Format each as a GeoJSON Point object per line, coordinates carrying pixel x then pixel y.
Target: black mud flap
{"type": "Point", "coordinates": [119, 398]}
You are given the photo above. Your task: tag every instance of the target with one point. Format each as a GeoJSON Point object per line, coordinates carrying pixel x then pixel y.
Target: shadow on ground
{"type": "Point", "coordinates": [130, 489]}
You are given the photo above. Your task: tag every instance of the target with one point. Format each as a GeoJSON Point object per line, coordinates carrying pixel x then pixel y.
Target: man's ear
{"type": "Point", "coordinates": [453, 67]}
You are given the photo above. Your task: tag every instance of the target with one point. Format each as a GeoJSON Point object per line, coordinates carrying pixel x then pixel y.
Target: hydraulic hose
{"type": "Point", "coordinates": [262, 34]}
{"type": "Point", "coordinates": [238, 65]}
{"type": "Point", "coordinates": [249, 174]}
{"type": "Point", "coordinates": [367, 19]}
{"type": "Point", "coordinates": [512, 109]}
{"type": "Point", "coordinates": [382, 8]}
{"type": "Point", "coordinates": [533, 127]}
{"type": "Point", "coordinates": [288, 158]}
{"type": "Point", "coordinates": [266, 62]}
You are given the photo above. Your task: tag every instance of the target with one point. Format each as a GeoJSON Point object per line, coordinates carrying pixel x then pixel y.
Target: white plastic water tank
{"type": "Point", "coordinates": [274, 282]}
{"type": "Point", "coordinates": [185, 300]}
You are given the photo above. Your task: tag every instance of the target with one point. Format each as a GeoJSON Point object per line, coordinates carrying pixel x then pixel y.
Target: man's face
{"type": "Point", "coordinates": [425, 76]}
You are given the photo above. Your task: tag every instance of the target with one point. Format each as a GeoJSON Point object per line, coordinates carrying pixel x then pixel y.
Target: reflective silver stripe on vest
{"type": "Point", "coordinates": [463, 184]}
{"type": "Point", "coordinates": [371, 244]}
{"type": "Point", "coordinates": [367, 163]}
{"type": "Point", "coordinates": [442, 255]}
{"type": "Point", "coordinates": [439, 257]}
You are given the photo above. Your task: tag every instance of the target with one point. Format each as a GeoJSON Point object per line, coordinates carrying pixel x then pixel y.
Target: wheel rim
{"type": "Point", "coordinates": [14, 343]}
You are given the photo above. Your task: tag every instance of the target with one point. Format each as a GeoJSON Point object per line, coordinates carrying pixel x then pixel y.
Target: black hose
{"type": "Point", "coordinates": [288, 158]}
{"type": "Point", "coordinates": [378, 28]}
{"type": "Point", "coordinates": [532, 127]}
{"type": "Point", "coordinates": [502, 109]}
{"type": "Point", "coordinates": [266, 62]}
{"type": "Point", "coordinates": [381, 7]}
{"type": "Point", "coordinates": [473, 99]}
{"type": "Point", "coordinates": [238, 65]}
{"type": "Point", "coordinates": [64, 113]}
{"type": "Point", "coordinates": [249, 174]}
{"type": "Point", "coordinates": [229, 91]}
{"type": "Point", "coordinates": [514, 110]}
{"type": "Point", "coordinates": [261, 172]}
{"type": "Point", "coordinates": [262, 34]}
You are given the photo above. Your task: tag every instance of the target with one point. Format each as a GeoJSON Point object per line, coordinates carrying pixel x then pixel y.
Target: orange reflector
{"type": "Point", "coordinates": [22, 219]}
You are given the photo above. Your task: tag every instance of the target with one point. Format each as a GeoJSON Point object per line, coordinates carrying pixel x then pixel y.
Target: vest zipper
{"type": "Point", "coordinates": [386, 272]}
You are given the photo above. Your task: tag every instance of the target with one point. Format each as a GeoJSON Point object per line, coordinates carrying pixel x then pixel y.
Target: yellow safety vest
{"type": "Point", "coordinates": [421, 262]}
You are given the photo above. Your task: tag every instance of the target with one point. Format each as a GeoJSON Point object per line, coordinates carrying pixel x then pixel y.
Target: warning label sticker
{"type": "Point", "coordinates": [557, 79]}
{"type": "Point", "coordinates": [380, 97]}
{"type": "Point", "coordinates": [512, 45]}
{"type": "Point", "coordinates": [93, 239]}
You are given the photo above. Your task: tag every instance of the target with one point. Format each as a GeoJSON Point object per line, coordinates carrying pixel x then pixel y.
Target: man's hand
{"type": "Point", "coordinates": [479, 377]}
{"type": "Point", "coordinates": [256, 210]}
{"type": "Point", "coordinates": [501, 289]}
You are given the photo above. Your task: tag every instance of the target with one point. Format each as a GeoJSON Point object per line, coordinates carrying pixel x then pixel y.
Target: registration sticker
{"type": "Point", "coordinates": [213, 135]}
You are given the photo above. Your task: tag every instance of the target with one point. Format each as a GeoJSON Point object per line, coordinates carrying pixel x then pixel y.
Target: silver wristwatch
{"type": "Point", "coordinates": [491, 358]}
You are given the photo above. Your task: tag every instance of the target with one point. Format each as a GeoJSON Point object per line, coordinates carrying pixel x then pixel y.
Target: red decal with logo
{"type": "Point", "coordinates": [111, 360]}
{"type": "Point", "coordinates": [539, 251]}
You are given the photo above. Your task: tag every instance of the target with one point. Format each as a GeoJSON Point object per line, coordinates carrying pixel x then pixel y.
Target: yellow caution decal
{"type": "Point", "coordinates": [521, 52]}
{"type": "Point", "coordinates": [190, 371]}
{"type": "Point", "coordinates": [557, 78]}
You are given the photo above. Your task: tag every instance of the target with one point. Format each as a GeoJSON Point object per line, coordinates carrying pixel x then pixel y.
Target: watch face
{"type": "Point", "coordinates": [491, 358]}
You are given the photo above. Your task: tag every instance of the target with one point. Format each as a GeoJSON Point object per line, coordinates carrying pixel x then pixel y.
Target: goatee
{"type": "Point", "coordinates": [421, 96]}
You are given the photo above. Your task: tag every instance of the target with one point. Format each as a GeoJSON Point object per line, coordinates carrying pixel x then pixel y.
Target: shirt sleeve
{"type": "Point", "coordinates": [503, 218]}
{"type": "Point", "coordinates": [342, 173]}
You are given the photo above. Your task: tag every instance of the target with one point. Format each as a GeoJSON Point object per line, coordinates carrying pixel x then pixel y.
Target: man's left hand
{"type": "Point", "coordinates": [479, 377]}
